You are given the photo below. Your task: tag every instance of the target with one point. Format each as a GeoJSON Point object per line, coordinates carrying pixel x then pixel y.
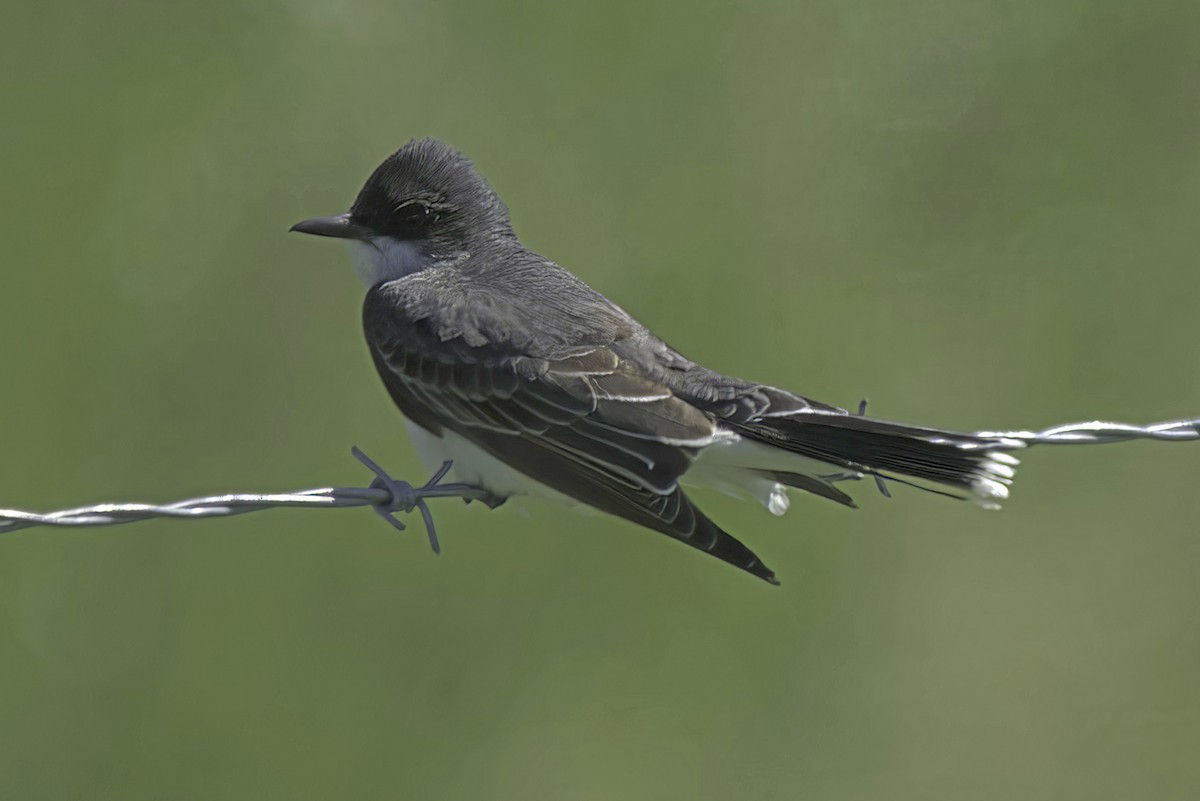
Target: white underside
{"type": "Point", "coordinates": [477, 467]}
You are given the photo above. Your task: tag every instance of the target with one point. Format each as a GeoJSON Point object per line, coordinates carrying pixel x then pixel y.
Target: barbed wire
{"type": "Point", "coordinates": [386, 495]}
{"type": "Point", "coordinates": [390, 496]}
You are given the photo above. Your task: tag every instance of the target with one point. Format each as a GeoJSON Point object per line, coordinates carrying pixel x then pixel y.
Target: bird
{"type": "Point", "coordinates": [532, 383]}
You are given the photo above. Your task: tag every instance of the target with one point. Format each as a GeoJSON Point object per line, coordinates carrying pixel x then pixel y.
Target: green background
{"type": "Point", "coordinates": [979, 214]}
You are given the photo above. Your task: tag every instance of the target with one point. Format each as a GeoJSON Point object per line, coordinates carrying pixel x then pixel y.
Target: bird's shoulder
{"type": "Point", "coordinates": [522, 305]}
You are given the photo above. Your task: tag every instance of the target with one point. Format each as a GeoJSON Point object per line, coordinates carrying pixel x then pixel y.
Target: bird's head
{"type": "Point", "coordinates": [423, 205]}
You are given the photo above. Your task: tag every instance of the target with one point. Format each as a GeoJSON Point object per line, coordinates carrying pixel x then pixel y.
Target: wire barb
{"type": "Point", "coordinates": [404, 496]}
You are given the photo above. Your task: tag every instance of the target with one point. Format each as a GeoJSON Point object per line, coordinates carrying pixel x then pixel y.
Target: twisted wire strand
{"type": "Point", "coordinates": [389, 496]}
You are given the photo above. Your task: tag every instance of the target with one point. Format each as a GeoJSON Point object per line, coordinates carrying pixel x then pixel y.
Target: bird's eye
{"type": "Point", "coordinates": [415, 211]}
{"type": "Point", "coordinates": [410, 220]}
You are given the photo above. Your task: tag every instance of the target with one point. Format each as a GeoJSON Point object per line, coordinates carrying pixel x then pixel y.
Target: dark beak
{"type": "Point", "coordinates": [339, 226]}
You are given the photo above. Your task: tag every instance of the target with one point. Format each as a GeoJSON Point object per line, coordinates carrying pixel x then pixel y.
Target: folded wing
{"type": "Point", "coordinates": [576, 417]}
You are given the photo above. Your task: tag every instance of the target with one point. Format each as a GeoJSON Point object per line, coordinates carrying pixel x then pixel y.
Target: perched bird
{"type": "Point", "coordinates": [532, 382]}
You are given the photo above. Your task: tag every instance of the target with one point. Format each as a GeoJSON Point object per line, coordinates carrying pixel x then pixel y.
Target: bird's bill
{"type": "Point", "coordinates": [339, 226]}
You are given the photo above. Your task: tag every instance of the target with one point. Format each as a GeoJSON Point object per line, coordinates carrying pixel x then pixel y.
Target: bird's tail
{"type": "Point", "coordinates": [977, 467]}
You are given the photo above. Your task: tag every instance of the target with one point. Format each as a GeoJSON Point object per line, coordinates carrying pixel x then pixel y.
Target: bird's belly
{"type": "Point", "coordinates": [477, 467]}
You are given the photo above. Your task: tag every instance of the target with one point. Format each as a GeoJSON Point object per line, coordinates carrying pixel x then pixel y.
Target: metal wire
{"type": "Point", "coordinates": [1099, 432]}
{"type": "Point", "coordinates": [389, 496]}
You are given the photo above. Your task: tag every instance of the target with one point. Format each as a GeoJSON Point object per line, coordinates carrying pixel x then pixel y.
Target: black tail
{"type": "Point", "coordinates": [968, 466]}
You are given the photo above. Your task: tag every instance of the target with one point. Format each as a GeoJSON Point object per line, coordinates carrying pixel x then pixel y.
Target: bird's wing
{"type": "Point", "coordinates": [557, 404]}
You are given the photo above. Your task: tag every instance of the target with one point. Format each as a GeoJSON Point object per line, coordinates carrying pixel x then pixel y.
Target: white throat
{"type": "Point", "coordinates": [384, 258]}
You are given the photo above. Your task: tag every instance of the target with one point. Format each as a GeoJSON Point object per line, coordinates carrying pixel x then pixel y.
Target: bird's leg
{"type": "Point", "coordinates": [491, 500]}
{"type": "Point", "coordinates": [883, 490]}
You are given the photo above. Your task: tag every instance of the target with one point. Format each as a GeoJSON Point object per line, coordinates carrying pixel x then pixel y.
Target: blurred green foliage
{"type": "Point", "coordinates": [981, 214]}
